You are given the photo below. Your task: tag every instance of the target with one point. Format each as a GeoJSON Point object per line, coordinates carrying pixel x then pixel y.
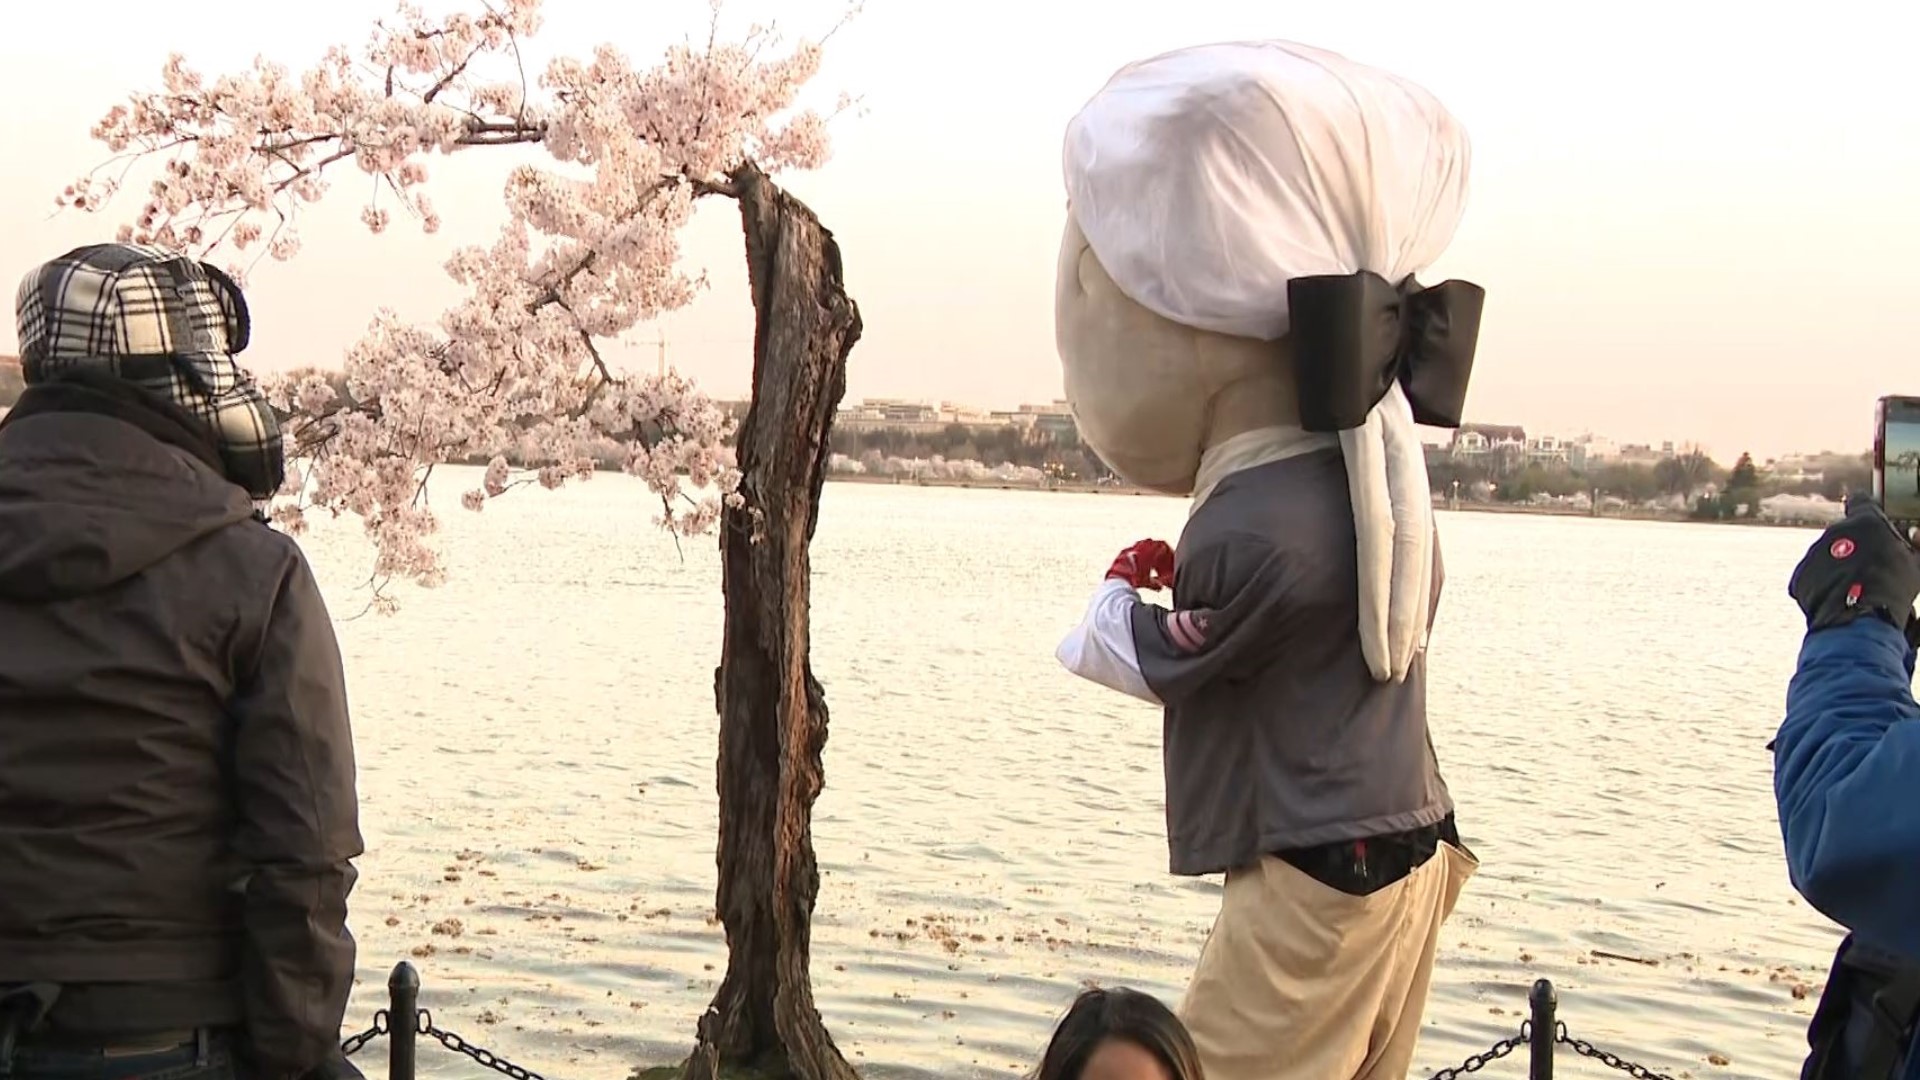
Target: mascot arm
{"type": "Point", "coordinates": [1231, 598]}
{"type": "Point", "coordinates": [1101, 648]}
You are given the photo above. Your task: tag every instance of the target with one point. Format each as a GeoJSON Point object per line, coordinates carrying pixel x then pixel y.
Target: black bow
{"type": "Point", "coordinates": [1353, 335]}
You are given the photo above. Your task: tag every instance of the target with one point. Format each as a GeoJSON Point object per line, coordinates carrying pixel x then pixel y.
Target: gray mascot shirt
{"type": "Point", "coordinates": [1277, 736]}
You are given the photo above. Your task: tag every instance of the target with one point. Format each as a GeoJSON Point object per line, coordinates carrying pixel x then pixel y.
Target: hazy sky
{"type": "Point", "coordinates": [1693, 219]}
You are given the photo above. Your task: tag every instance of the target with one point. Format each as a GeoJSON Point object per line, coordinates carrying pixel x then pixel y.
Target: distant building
{"type": "Point", "coordinates": [1029, 415]}
{"type": "Point", "coordinates": [1590, 451]}
{"type": "Point", "coordinates": [1598, 447]}
{"type": "Point", "coordinates": [1050, 421]}
{"type": "Point", "coordinates": [1548, 450]}
{"type": "Point", "coordinates": [1480, 440]}
{"type": "Point", "coordinates": [1645, 454]}
{"type": "Point", "coordinates": [890, 414]}
{"type": "Point", "coordinates": [1797, 469]}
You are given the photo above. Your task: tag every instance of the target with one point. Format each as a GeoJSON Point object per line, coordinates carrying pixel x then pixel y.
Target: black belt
{"type": "Point", "coordinates": [201, 1043]}
{"type": "Point", "coordinates": [99, 1012]}
{"type": "Point", "coordinates": [158, 1042]}
{"type": "Point", "coordinates": [1365, 866]}
{"type": "Point", "coordinates": [36, 1018]}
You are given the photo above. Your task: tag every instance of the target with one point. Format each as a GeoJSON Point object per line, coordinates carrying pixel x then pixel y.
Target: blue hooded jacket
{"type": "Point", "coordinates": [1847, 779]}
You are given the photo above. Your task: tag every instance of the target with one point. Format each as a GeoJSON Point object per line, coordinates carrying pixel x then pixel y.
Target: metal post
{"type": "Point", "coordinates": [403, 1011]}
{"type": "Point", "coordinates": [1544, 1028]}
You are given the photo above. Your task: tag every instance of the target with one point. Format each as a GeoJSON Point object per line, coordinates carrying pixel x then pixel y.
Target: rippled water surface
{"type": "Point", "coordinates": [537, 745]}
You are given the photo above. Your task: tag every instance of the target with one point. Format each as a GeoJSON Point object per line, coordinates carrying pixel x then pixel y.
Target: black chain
{"type": "Point", "coordinates": [1611, 1061]}
{"type": "Point", "coordinates": [354, 1044]}
{"type": "Point", "coordinates": [382, 1025]}
{"type": "Point", "coordinates": [1488, 1056]}
{"type": "Point", "coordinates": [480, 1054]}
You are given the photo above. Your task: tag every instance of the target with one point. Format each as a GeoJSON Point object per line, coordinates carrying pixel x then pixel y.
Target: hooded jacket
{"type": "Point", "coordinates": [177, 804]}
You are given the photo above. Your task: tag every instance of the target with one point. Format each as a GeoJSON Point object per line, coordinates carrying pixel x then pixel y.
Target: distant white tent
{"type": "Point", "coordinates": [1800, 510]}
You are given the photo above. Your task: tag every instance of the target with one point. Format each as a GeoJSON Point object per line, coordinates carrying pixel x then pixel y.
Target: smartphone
{"type": "Point", "coordinates": [1896, 460]}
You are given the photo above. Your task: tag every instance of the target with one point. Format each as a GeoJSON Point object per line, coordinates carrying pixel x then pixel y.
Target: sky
{"type": "Point", "coordinates": [1694, 220]}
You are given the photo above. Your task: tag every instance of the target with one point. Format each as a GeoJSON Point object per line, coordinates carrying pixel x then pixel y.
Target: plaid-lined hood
{"type": "Point", "coordinates": [166, 324]}
{"type": "Point", "coordinates": [94, 491]}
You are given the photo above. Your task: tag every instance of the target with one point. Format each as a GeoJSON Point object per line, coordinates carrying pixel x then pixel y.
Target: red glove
{"type": "Point", "coordinates": [1146, 565]}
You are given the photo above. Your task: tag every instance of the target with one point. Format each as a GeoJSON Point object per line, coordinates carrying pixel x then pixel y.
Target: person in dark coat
{"type": "Point", "coordinates": [178, 815]}
{"type": "Point", "coordinates": [1846, 765]}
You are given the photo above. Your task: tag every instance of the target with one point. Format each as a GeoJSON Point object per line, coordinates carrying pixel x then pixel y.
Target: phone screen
{"type": "Point", "coordinates": [1899, 458]}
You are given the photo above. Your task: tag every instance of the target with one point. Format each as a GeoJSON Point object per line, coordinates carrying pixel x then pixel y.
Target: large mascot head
{"type": "Point", "coordinates": [1237, 285]}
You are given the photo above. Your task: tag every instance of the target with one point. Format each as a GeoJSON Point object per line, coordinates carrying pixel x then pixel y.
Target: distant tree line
{"type": "Point", "coordinates": [1709, 489]}
{"type": "Point", "coordinates": [1060, 453]}
{"type": "Point", "coordinates": [1686, 475]}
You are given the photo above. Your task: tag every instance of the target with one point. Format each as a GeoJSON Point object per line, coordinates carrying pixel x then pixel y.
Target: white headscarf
{"type": "Point", "coordinates": [1207, 178]}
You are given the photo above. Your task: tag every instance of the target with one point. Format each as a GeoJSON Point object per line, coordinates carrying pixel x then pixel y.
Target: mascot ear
{"type": "Point", "coordinates": [1088, 274]}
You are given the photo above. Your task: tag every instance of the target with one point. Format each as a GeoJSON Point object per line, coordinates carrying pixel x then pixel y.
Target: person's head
{"type": "Point", "coordinates": [1149, 395]}
{"type": "Point", "coordinates": [1120, 1034]}
{"type": "Point", "coordinates": [1202, 184]}
{"type": "Point", "coordinates": [162, 323]}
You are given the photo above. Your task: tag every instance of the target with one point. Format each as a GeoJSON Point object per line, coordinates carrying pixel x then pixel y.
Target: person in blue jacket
{"type": "Point", "coordinates": [1847, 779]}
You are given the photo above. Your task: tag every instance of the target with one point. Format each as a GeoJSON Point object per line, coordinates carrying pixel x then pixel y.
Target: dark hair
{"type": "Point", "coordinates": [1129, 1015]}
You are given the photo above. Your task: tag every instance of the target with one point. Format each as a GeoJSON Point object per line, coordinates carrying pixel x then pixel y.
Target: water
{"type": "Point", "coordinates": [537, 744]}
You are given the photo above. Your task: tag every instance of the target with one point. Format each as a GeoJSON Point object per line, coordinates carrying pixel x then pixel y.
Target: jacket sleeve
{"type": "Point", "coordinates": [297, 833]}
{"type": "Point", "coordinates": [1846, 762]}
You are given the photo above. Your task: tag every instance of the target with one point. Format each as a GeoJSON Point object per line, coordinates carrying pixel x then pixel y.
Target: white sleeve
{"type": "Point", "coordinates": [1101, 648]}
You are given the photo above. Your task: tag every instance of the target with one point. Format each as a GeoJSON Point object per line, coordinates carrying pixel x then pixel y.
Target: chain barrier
{"type": "Point", "coordinates": [480, 1054]}
{"type": "Point", "coordinates": [383, 1025]}
{"type": "Point", "coordinates": [1481, 1060]}
{"type": "Point", "coordinates": [423, 1023]}
{"type": "Point", "coordinates": [355, 1043]}
{"type": "Point", "coordinates": [405, 986]}
{"type": "Point", "coordinates": [1611, 1061]}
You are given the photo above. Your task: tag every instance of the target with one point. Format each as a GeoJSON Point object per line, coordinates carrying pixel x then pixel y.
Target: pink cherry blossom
{"type": "Point", "coordinates": [589, 249]}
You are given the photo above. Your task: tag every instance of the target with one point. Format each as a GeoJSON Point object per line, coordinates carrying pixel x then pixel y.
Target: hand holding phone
{"type": "Point", "coordinates": [1896, 461]}
{"type": "Point", "coordinates": [1863, 565]}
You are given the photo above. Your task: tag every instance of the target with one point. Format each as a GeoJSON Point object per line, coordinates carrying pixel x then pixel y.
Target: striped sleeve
{"type": "Point", "coordinates": [1229, 599]}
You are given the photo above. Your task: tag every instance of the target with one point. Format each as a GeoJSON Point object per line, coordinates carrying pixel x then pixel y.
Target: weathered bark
{"type": "Point", "coordinates": [773, 715]}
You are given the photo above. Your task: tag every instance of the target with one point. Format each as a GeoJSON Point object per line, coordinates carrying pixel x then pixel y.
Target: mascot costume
{"type": "Point", "coordinates": [1238, 319]}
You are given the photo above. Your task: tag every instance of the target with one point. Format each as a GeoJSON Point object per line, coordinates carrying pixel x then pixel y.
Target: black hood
{"type": "Point", "coordinates": [98, 483]}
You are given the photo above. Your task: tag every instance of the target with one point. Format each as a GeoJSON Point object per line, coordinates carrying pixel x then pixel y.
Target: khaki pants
{"type": "Point", "coordinates": [1299, 981]}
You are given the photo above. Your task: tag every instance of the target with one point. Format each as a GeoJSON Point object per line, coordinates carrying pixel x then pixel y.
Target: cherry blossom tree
{"type": "Point", "coordinates": [514, 370]}
{"type": "Point", "coordinates": [589, 248]}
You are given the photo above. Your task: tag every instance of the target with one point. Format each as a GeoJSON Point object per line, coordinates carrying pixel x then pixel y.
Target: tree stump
{"type": "Point", "coordinates": [773, 714]}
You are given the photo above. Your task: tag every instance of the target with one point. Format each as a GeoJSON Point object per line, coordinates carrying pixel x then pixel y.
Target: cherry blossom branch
{"type": "Point", "coordinates": [589, 250]}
